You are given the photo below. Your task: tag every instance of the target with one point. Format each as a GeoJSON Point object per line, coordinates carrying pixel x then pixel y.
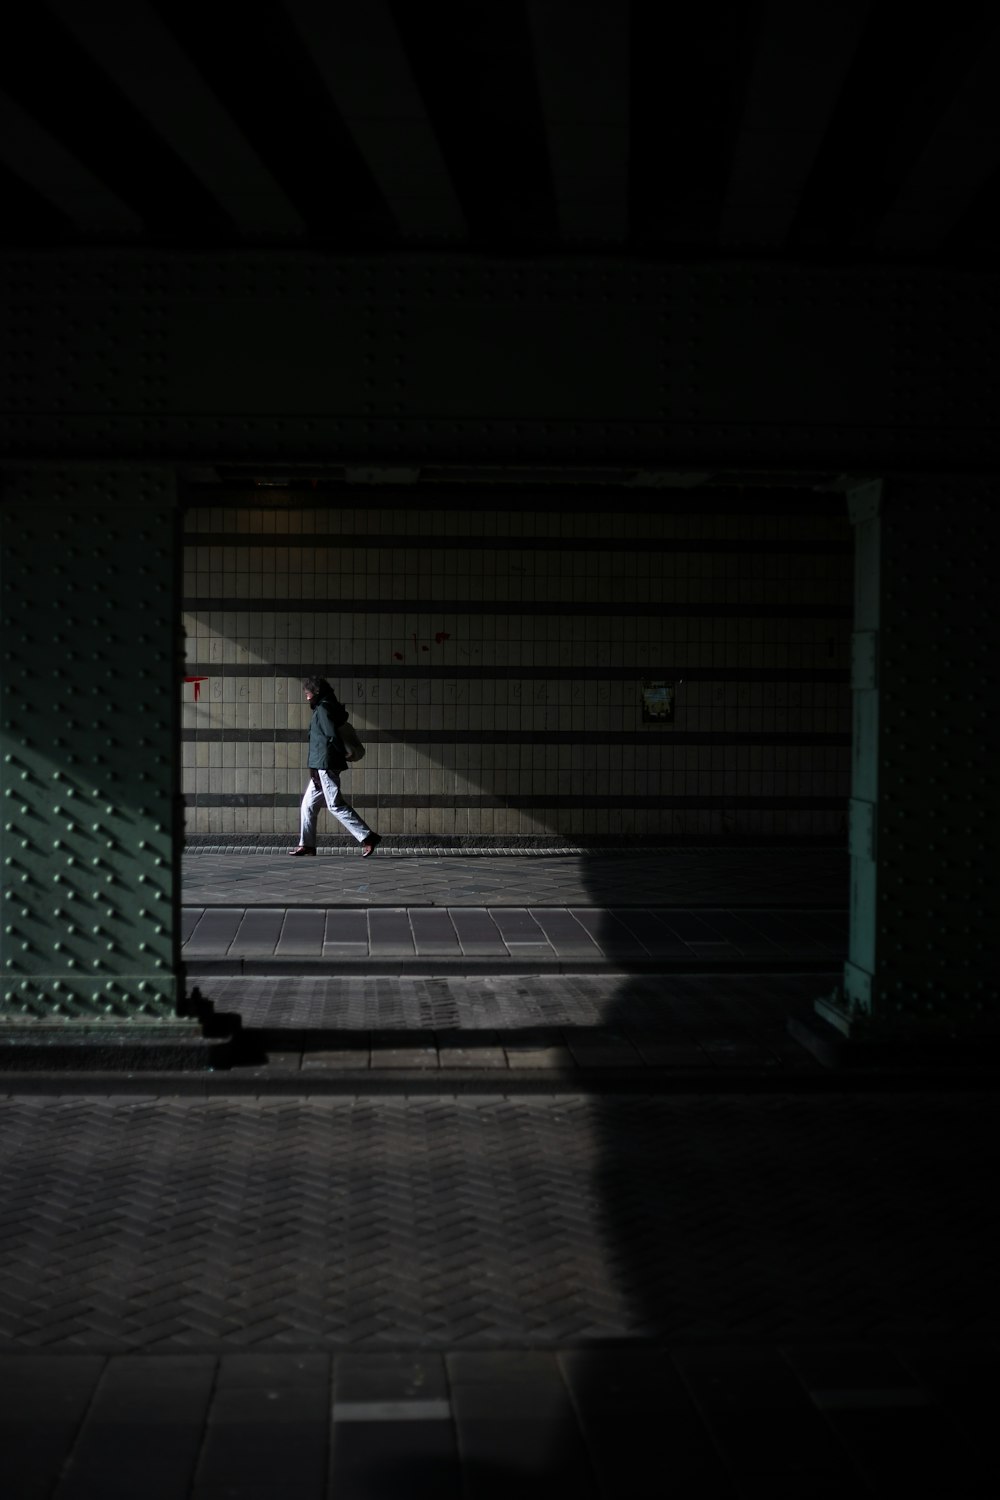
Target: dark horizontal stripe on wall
{"type": "Point", "coordinates": [656, 734]}
{"type": "Point", "coordinates": [391, 800]}
{"type": "Point", "coordinates": [462, 673]}
{"type": "Point", "coordinates": [569, 607]}
{"type": "Point", "coordinates": [316, 540]}
{"type": "Point", "coordinates": [457, 487]}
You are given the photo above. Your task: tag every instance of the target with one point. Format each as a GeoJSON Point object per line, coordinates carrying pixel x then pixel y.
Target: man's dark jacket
{"type": "Point", "coordinates": [326, 753]}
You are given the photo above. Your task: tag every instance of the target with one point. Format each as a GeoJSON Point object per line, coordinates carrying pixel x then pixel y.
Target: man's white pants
{"type": "Point", "coordinates": [324, 786]}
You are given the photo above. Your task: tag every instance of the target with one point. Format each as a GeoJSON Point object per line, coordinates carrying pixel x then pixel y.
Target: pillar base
{"type": "Point", "coordinates": [200, 1041]}
{"type": "Point", "coordinates": [840, 1037]}
{"type": "Point", "coordinates": [825, 1041]}
{"type": "Point", "coordinates": [78, 1047]}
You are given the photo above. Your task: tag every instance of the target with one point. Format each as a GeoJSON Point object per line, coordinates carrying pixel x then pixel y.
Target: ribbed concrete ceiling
{"type": "Point", "coordinates": [854, 131]}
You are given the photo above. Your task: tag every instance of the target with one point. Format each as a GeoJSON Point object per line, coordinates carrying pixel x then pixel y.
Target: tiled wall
{"type": "Point", "coordinates": [492, 660]}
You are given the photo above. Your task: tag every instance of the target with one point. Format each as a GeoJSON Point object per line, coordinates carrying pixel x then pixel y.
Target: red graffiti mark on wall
{"type": "Point", "coordinates": [440, 637]}
{"type": "Point", "coordinates": [197, 685]}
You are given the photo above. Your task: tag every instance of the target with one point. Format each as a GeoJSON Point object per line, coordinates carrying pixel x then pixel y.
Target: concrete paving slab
{"type": "Point", "coordinates": [379, 939]}
{"type": "Point", "coordinates": [740, 930]}
{"type": "Point", "coordinates": [214, 931]}
{"type": "Point", "coordinates": [142, 1431]}
{"type": "Point", "coordinates": [564, 933]}
{"type": "Point", "coordinates": [965, 1384]}
{"type": "Point", "coordinates": [390, 1378]}
{"type": "Point", "coordinates": [258, 932]}
{"type": "Point", "coordinates": [267, 1430]}
{"type": "Point", "coordinates": [516, 1426]}
{"type": "Point", "coordinates": [433, 933]}
{"type": "Point", "coordinates": [393, 1432]}
{"type": "Point", "coordinates": [347, 929]}
{"type": "Point", "coordinates": [301, 934]}
{"type": "Point", "coordinates": [777, 928]}
{"type": "Point", "coordinates": [477, 932]}
{"type": "Point", "coordinates": [767, 1430]}
{"type": "Point", "coordinates": [877, 1406]}
{"type": "Point", "coordinates": [43, 1400]}
{"type": "Point", "coordinates": [670, 1054]}
{"type": "Point", "coordinates": [518, 928]}
{"type": "Point", "coordinates": [603, 1053]}
{"type": "Point", "coordinates": [390, 934]}
{"type": "Point", "coordinates": [527, 1056]}
{"type": "Point", "coordinates": [690, 927]}
{"type": "Point", "coordinates": [401, 1057]}
{"type": "Point", "coordinates": [337, 1057]}
{"type": "Point", "coordinates": [346, 937]}
{"type": "Point", "coordinates": [723, 1420]}
{"type": "Point", "coordinates": [472, 1057]}
{"type": "Point", "coordinates": [639, 1419]}
{"type": "Point", "coordinates": [744, 1057]}
{"type": "Point", "coordinates": [609, 934]}
{"type": "Point", "coordinates": [190, 917]}
{"type": "Point", "coordinates": [651, 930]}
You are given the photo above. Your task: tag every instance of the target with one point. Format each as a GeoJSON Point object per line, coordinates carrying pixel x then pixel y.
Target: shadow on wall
{"type": "Point", "coordinates": [666, 782]}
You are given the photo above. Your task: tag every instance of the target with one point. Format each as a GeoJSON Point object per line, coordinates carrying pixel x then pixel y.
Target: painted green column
{"type": "Point", "coordinates": [923, 815]}
{"type": "Point", "coordinates": [89, 734]}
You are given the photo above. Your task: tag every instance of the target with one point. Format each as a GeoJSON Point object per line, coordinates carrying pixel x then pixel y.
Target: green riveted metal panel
{"type": "Point", "coordinates": [87, 729]}
{"type": "Point", "coordinates": [937, 820]}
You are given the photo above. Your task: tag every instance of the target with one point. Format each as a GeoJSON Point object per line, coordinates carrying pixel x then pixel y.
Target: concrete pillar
{"type": "Point", "coordinates": [89, 846]}
{"type": "Point", "coordinates": [921, 964]}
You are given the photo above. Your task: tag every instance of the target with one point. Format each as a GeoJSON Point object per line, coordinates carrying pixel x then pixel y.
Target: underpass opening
{"type": "Point", "coordinates": [506, 651]}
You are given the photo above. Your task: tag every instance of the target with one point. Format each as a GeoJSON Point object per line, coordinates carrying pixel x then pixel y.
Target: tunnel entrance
{"type": "Point", "coordinates": [499, 648]}
{"type": "Point", "coordinates": [506, 653]}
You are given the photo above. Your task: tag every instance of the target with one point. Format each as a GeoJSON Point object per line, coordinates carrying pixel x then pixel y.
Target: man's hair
{"type": "Point", "coordinates": [317, 685]}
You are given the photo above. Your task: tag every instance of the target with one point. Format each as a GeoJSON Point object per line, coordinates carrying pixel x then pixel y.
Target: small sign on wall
{"type": "Point", "coordinates": [657, 700]}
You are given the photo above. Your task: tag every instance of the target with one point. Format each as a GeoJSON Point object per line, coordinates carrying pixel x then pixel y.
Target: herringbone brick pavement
{"type": "Point", "coordinates": [312, 1224]}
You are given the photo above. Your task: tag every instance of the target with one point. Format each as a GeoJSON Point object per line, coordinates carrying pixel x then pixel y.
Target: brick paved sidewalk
{"type": "Point", "coordinates": [184, 1225]}
{"type": "Point", "coordinates": [442, 1296]}
{"type": "Point", "coordinates": [710, 877]}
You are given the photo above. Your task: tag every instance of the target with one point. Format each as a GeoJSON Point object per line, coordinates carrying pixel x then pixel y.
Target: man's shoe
{"type": "Point", "coordinates": [368, 846]}
{"type": "Point", "coordinates": [302, 849]}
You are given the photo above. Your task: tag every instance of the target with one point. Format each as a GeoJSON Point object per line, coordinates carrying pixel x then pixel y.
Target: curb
{"type": "Point", "coordinates": [336, 968]}
{"type": "Point", "coordinates": [495, 1083]}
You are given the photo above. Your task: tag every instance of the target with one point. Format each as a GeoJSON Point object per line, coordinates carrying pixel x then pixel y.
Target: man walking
{"type": "Point", "coordinates": [327, 759]}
